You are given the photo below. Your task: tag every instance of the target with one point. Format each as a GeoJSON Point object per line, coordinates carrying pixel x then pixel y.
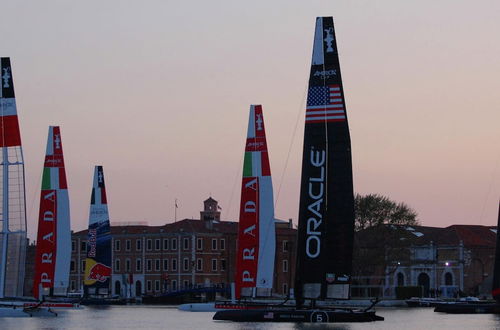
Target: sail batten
{"type": "Point", "coordinates": [53, 255]}
{"type": "Point", "coordinates": [326, 211]}
{"type": "Point", "coordinates": [256, 229]}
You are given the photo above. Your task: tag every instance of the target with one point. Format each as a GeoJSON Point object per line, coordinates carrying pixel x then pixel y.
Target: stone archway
{"type": "Point", "coordinates": [424, 281]}
{"type": "Point", "coordinates": [401, 279]}
{"type": "Point", "coordinates": [138, 288]}
{"type": "Point", "coordinates": [448, 279]}
{"type": "Point", "coordinates": [118, 288]}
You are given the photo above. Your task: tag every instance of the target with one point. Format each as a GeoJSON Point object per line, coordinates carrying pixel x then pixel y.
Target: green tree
{"type": "Point", "coordinates": [374, 209]}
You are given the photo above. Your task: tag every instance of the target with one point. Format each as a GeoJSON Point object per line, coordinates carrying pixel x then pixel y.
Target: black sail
{"type": "Point", "coordinates": [496, 271]}
{"type": "Point", "coordinates": [326, 213]}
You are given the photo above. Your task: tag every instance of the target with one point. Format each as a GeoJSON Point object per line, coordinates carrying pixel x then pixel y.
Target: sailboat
{"type": "Point", "coordinates": [476, 306]}
{"type": "Point", "coordinates": [256, 228]}
{"type": "Point", "coordinates": [53, 253]}
{"type": "Point", "coordinates": [326, 210]}
{"type": "Point", "coordinates": [13, 206]}
{"type": "Point", "coordinates": [97, 277]}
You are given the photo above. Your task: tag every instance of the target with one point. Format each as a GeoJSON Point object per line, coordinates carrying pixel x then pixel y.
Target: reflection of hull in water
{"type": "Point", "coordinates": [103, 301]}
{"type": "Point", "coordinates": [294, 315]}
{"type": "Point", "coordinates": [486, 307]}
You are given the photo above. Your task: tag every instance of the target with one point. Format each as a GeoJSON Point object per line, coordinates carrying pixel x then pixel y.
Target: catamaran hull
{"type": "Point", "coordinates": [23, 312]}
{"type": "Point", "coordinates": [468, 308]}
{"type": "Point", "coordinates": [298, 316]}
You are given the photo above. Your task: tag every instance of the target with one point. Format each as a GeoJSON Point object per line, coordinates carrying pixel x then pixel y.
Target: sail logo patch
{"type": "Point", "coordinates": [6, 77]}
{"type": "Point", "coordinates": [324, 104]}
{"type": "Point", "coordinates": [329, 40]}
{"type": "Point", "coordinates": [316, 191]}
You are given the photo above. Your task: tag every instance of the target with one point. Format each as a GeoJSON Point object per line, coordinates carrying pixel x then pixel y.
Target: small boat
{"type": "Point", "coordinates": [422, 302]}
{"type": "Point", "coordinates": [326, 210]}
{"type": "Point", "coordinates": [472, 305]}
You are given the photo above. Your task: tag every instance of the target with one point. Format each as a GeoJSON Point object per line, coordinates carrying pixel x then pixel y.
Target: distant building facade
{"type": "Point", "coordinates": [150, 260]}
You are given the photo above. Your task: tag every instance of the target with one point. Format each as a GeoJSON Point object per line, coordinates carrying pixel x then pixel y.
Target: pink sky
{"type": "Point", "coordinates": [158, 93]}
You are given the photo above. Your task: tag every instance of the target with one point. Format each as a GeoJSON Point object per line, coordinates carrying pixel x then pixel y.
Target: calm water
{"type": "Point", "coordinates": [146, 317]}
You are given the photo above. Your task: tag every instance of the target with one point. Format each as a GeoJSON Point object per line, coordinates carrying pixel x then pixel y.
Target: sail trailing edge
{"type": "Point", "coordinates": [326, 211]}
{"type": "Point", "coordinates": [256, 229]}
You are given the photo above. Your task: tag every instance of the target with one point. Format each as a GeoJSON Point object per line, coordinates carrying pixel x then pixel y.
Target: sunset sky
{"type": "Point", "coordinates": [158, 92]}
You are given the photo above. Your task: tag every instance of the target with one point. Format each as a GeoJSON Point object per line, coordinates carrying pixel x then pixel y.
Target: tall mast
{"type": "Point", "coordinates": [53, 255]}
{"type": "Point", "coordinates": [326, 212]}
{"type": "Point", "coordinates": [256, 229]}
{"type": "Point", "coordinates": [13, 205]}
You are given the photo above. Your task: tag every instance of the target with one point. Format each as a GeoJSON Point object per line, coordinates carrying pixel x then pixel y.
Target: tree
{"type": "Point", "coordinates": [374, 209]}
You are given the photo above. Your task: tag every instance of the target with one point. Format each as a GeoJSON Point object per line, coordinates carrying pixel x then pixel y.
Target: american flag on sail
{"type": "Point", "coordinates": [324, 104]}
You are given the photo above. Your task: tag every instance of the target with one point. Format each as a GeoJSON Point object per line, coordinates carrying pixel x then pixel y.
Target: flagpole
{"type": "Point", "coordinates": [175, 211]}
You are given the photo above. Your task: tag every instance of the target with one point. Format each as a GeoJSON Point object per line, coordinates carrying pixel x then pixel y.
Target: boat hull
{"type": "Point", "coordinates": [468, 308]}
{"type": "Point", "coordinates": [294, 315]}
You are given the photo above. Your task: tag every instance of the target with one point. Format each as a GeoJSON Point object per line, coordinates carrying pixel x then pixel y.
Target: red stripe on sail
{"type": "Point", "coordinates": [103, 196]}
{"type": "Point", "coordinates": [248, 235]}
{"type": "Point", "coordinates": [9, 131]}
{"type": "Point", "coordinates": [46, 247]}
{"type": "Point", "coordinates": [62, 179]}
{"type": "Point", "coordinates": [264, 158]}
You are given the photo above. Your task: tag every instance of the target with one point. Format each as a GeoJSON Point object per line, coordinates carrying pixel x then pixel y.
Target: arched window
{"type": "Point", "coordinates": [401, 279]}
{"type": "Point", "coordinates": [424, 282]}
{"type": "Point", "coordinates": [118, 287]}
{"type": "Point", "coordinates": [448, 279]}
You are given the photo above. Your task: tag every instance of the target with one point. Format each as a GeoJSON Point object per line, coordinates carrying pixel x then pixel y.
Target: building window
{"type": "Point", "coordinates": [165, 264]}
{"type": "Point", "coordinates": [149, 244]}
{"type": "Point", "coordinates": [186, 284]}
{"type": "Point", "coordinates": [214, 265]}
{"type": "Point", "coordinates": [83, 246]}
{"type": "Point", "coordinates": [117, 245]}
{"type": "Point", "coordinates": [127, 265]}
{"type": "Point", "coordinates": [285, 266]}
{"type": "Point", "coordinates": [117, 265]}
{"type": "Point", "coordinates": [199, 243]}
{"type": "Point", "coordinates": [157, 285]}
{"type": "Point", "coordinates": [185, 264]}
{"type": "Point", "coordinates": [223, 265]}
{"type": "Point", "coordinates": [165, 244]}
{"type": "Point", "coordinates": [149, 265]}
{"type": "Point", "coordinates": [128, 245]}
{"type": "Point", "coordinates": [73, 246]}
{"type": "Point", "coordinates": [157, 244]}
{"type": "Point", "coordinates": [222, 244]}
{"type": "Point", "coordinates": [138, 244]}
{"type": "Point", "coordinates": [285, 246]}
{"type": "Point", "coordinates": [174, 264]}
{"type": "Point", "coordinates": [285, 289]}
{"type": "Point", "coordinates": [83, 266]}
{"type": "Point", "coordinates": [138, 265]}
{"type": "Point", "coordinates": [174, 243]}
{"type": "Point", "coordinates": [157, 265]}
{"type": "Point", "coordinates": [174, 285]}
{"type": "Point", "coordinates": [214, 244]}
{"type": "Point", "coordinates": [72, 266]}
{"type": "Point", "coordinates": [185, 245]}
{"type": "Point", "coordinates": [73, 287]}
{"type": "Point", "coordinates": [148, 285]}
{"type": "Point", "coordinates": [199, 265]}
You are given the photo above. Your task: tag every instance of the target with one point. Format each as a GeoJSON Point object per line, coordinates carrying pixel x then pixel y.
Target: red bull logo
{"type": "Point", "coordinates": [99, 272]}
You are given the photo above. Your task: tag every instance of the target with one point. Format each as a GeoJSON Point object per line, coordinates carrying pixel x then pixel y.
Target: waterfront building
{"type": "Point", "coordinates": [150, 260]}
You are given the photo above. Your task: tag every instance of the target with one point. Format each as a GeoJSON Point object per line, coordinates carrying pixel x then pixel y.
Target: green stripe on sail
{"type": "Point", "coordinates": [247, 165]}
{"type": "Point", "coordinates": [46, 178]}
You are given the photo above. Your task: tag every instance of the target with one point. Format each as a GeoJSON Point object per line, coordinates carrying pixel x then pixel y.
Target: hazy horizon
{"type": "Point", "coordinates": [158, 92]}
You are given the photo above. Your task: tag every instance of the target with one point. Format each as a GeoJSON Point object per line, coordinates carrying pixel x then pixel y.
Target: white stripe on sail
{"type": "Point", "coordinates": [317, 57]}
{"type": "Point", "coordinates": [256, 163]}
{"type": "Point", "coordinates": [8, 106]}
{"type": "Point", "coordinates": [267, 236]}
{"type": "Point", "coordinates": [50, 143]}
{"type": "Point", "coordinates": [251, 123]}
{"type": "Point", "coordinates": [324, 118]}
{"type": "Point", "coordinates": [63, 254]}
